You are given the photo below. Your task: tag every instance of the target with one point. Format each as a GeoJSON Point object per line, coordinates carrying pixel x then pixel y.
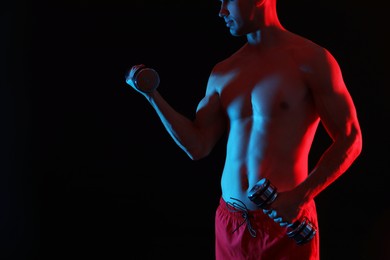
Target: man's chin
{"type": "Point", "coordinates": [235, 34]}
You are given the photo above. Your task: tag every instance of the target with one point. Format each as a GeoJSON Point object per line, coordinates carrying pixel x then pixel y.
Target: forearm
{"type": "Point", "coordinates": [182, 130]}
{"type": "Point", "coordinates": [333, 163]}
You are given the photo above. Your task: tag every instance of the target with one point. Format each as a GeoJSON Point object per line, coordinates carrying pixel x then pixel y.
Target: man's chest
{"type": "Point", "coordinates": [261, 89]}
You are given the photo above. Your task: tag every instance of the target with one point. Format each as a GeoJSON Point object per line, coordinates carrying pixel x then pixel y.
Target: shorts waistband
{"type": "Point", "coordinates": [234, 211]}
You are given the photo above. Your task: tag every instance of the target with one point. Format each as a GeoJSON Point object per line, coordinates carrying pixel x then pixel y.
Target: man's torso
{"type": "Point", "coordinates": [271, 117]}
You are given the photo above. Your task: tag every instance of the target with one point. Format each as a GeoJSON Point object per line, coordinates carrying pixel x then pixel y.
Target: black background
{"type": "Point", "coordinates": [87, 169]}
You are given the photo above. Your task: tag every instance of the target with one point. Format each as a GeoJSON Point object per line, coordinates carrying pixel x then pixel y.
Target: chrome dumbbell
{"type": "Point", "coordinates": [144, 79]}
{"type": "Point", "coordinates": [263, 194]}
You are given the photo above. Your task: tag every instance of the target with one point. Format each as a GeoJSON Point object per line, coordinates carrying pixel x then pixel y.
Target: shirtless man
{"type": "Point", "coordinates": [269, 98]}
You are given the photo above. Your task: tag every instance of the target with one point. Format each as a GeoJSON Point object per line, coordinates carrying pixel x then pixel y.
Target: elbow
{"type": "Point", "coordinates": [200, 148]}
{"type": "Point", "coordinates": [356, 141]}
{"type": "Point", "coordinates": [197, 153]}
{"type": "Point", "coordinates": [358, 144]}
{"type": "Point", "coordinates": [194, 157]}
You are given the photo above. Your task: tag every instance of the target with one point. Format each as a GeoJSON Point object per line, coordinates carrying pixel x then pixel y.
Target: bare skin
{"type": "Point", "coordinates": [269, 97]}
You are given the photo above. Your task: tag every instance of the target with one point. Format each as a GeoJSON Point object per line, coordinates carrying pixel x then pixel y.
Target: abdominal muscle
{"type": "Point", "coordinates": [265, 152]}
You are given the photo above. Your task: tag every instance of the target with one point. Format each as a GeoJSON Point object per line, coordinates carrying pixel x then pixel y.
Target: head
{"type": "Point", "coordinates": [246, 16]}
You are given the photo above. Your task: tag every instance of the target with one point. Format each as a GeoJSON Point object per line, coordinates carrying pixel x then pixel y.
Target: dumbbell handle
{"type": "Point", "coordinates": [264, 193]}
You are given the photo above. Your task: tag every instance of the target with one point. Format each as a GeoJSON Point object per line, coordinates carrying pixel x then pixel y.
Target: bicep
{"type": "Point", "coordinates": [210, 118]}
{"type": "Point", "coordinates": [332, 99]}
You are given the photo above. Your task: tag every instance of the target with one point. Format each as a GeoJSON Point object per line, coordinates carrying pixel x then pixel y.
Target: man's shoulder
{"type": "Point", "coordinates": [304, 46]}
{"type": "Point", "coordinates": [226, 64]}
{"type": "Point", "coordinates": [308, 52]}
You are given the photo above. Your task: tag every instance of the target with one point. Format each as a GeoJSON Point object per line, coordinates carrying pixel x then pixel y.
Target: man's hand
{"type": "Point", "coordinates": [142, 79]}
{"type": "Point", "coordinates": [286, 209]}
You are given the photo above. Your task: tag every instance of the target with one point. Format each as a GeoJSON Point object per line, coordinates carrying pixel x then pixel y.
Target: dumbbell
{"type": "Point", "coordinates": [263, 194]}
{"type": "Point", "coordinates": [145, 79]}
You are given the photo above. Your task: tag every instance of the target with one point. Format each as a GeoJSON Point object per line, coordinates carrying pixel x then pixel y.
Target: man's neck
{"type": "Point", "coordinates": [265, 36]}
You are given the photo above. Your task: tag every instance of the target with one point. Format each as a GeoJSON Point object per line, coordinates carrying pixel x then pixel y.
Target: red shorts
{"type": "Point", "coordinates": [233, 241]}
